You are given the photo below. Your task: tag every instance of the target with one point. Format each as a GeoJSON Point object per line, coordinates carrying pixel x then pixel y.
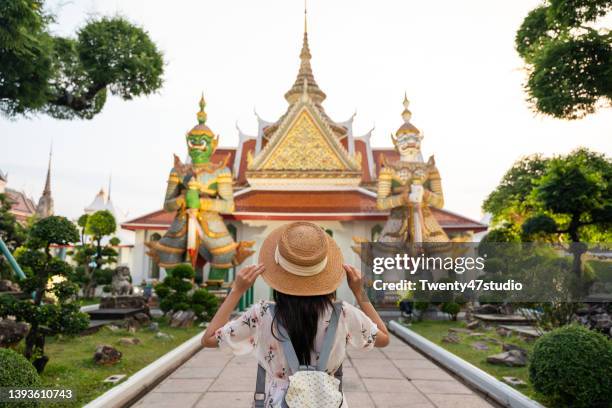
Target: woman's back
{"type": "Point", "coordinates": [252, 332]}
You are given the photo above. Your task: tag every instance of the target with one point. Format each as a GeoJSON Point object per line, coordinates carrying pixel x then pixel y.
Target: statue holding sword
{"type": "Point", "coordinates": [199, 192]}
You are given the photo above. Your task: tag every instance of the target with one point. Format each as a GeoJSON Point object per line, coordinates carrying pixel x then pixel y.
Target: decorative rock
{"type": "Point", "coordinates": [11, 332]}
{"type": "Point", "coordinates": [514, 381]}
{"type": "Point", "coordinates": [451, 338]}
{"type": "Point", "coordinates": [182, 318]}
{"type": "Point", "coordinates": [123, 302]}
{"type": "Point", "coordinates": [163, 336]}
{"type": "Point", "coordinates": [113, 328]}
{"type": "Point", "coordinates": [154, 327]}
{"type": "Point", "coordinates": [476, 334]}
{"type": "Point", "coordinates": [114, 379]}
{"type": "Point", "coordinates": [473, 324]}
{"type": "Point", "coordinates": [129, 341]}
{"type": "Point", "coordinates": [491, 340]}
{"type": "Point", "coordinates": [503, 332]}
{"type": "Point", "coordinates": [459, 330]}
{"type": "Point", "coordinates": [9, 286]}
{"type": "Point", "coordinates": [487, 309]}
{"type": "Point", "coordinates": [479, 345]}
{"type": "Point", "coordinates": [106, 355]}
{"type": "Point", "coordinates": [512, 358]}
{"type": "Point", "coordinates": [508, 347]}
{"type": "Point", "coordinates": [142, 318]}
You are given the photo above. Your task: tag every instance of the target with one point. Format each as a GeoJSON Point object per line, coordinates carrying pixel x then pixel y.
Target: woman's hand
{"type": "Point", "coordinates": [355, 280]}
{"type": "Point", "coordinates": [246, 277]}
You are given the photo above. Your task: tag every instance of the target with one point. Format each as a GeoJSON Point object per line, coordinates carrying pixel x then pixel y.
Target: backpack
{"type": "Point", "coordinates": [309, 386]}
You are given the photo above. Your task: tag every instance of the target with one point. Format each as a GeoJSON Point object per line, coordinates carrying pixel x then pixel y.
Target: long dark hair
{"type": "Point", "coordinates": [300, 315]}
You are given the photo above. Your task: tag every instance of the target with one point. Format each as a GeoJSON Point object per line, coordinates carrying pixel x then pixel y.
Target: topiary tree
{"type": "Point", "coordinates": [569, 60]}
{"type": "Point", "coordinates": [17, 372]}
{"type": "Point", "coordinates": [46, 317]}
{"type": "Point", "coordinates": [176, 293]}
{"type": "Point", "coordinates": [71, 77]}
{"type": "Point", "coordinates": [452, 309]}
{"type": "Point", "coordinates": [571, 365]}
{"type": "Point", "coordinates": [93, 258]}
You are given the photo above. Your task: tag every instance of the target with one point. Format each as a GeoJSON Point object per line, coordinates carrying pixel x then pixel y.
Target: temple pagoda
{"type": "Point", "coordinates": [302, 166]}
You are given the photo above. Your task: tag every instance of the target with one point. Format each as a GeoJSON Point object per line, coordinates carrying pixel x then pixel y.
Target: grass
{"type": "Point", "coordinates": [71, 359]}
{"type": "Point", "coordinates": [436, 330]}
{"type": "Point", "coordinates": [87, 302]}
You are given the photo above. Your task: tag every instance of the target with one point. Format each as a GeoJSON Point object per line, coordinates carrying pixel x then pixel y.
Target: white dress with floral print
{"type": "Point", "coordinates": [251, 332]}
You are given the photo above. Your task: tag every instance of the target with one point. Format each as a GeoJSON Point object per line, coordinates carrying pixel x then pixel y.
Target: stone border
{"type": "Point", "coordinates": [89, 308]}
{"type": "Point", "coordinates": [147, 378]}
{"type": "Point", "coordinates": [475, 377]}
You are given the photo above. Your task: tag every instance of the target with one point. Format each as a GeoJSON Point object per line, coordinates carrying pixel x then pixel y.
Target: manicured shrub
{"type": "Point", "coordinates": [176, 293]}
{"type": "Point", "coordinates": [17, 372]}
{"type": "Point", "coordinates": [573, 367]}
{"type": "Point", "coordinates": [452, 309]}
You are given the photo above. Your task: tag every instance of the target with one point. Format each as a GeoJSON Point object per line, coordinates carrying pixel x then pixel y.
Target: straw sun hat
{"type": "Point", "coordinates": [301, 259]}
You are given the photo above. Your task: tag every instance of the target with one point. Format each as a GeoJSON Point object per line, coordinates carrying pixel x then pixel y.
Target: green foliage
{"type": "Point", "coordinates": [176, 293]}
{"type": "Point", "coordinates": [510, 202]}
{"type": "Point", "coordinates": [92, 257]}
{"type": "Point", "coordinates": [451, 308]}
{"type": "Point", "coordinates": [569, 62]}
{"type": "Point", "coordinates": [70, 77]}
{"type": "Point", "coordinates": [11, 232]}
{"type": "Point", "coordinates": [17, 372]}
{"type": "Point", "coordinates": [100, 224]}
{"type": "Point", "coordinates": [52, 230]}
{"type": "Point", "coordinates": [62, 316]}
{"type": "Point", "coordinates": [571, 365]}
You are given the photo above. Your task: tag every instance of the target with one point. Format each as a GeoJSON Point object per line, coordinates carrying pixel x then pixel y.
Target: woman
{"type": "Point", "coordinates": [303, 265]}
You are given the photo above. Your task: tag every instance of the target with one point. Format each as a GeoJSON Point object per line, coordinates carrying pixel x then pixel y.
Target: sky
{"type": "Point", "coordinates": [454, 59]}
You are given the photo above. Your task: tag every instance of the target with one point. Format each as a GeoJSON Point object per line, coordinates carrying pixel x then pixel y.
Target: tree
{"type": "Point", "coordinates": [566, 198]}
{"type": "Point", "coordinates": [91, 256]}
{"type": "Point", "coordinates": [569, 62]}
{"type": "Point", "coordinates": [69, 78]}
{"type": "Point", "coordinates": [11, 232]}
{"type": "Point", "coordinates": [46, 317]}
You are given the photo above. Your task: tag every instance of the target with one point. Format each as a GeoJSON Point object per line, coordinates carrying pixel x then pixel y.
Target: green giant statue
{"type": "Point", "coordinates": [199, 192]}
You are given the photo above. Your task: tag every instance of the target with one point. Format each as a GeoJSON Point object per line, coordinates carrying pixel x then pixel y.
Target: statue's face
{"type": "Point", "coordinates": [200, 148]}
{"type": "Point", "coordinates": [408, 144]}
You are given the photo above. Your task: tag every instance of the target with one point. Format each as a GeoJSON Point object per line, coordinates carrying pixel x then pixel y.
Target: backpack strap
{"type": "Point", "coordinates": [260, 387]}
{"type": "Point", "coordinates": [293, 363]}
{"type": "Point", "coordinates": [330, 337]}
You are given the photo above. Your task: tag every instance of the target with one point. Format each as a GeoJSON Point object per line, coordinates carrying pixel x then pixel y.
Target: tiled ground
{"type": "Point", "coordinates": [396, 376]}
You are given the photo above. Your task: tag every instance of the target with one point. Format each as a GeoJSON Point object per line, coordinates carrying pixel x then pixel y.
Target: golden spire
{"type": "Point", "coordinates": [406, 114]}
{"type": "Point", "coordinates": [201, 128]}
{"type": "Point", "coordinates": [201, 115]}
{"type": "Point", "coordinates": [305, 72]}
{"type": "Point", "coordinates": [407, 127]}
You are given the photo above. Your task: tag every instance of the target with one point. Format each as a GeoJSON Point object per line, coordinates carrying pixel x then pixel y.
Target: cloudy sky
{"type": "Point", "coordinates": [455, 59]}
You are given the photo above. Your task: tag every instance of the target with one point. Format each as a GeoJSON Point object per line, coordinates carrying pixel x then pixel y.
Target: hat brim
{"type": "Point", "coordinates": [323, 283]}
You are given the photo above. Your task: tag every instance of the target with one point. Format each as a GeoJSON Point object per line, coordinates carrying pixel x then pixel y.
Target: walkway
{"type": "Point", "coordinates": [396, 376]}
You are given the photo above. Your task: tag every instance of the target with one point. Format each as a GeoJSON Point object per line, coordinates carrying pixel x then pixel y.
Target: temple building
{"type": "Point", "coordinates": [302, 166]}
{"type": "Point", "coordinates": [24, 207]}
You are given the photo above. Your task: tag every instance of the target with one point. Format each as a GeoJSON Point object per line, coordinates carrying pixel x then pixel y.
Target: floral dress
{"type": "Point", "coordinates": [251, 332]}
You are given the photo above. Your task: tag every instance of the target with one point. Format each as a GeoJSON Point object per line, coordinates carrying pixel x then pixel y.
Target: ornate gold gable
{"type": "Point", "coordinates": [304, 146]}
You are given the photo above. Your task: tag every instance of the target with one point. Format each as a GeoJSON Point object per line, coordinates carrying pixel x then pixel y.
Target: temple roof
{"type": "Point", "coordinates": [22, 207]}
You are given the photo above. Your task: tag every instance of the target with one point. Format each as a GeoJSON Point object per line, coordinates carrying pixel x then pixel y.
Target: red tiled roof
{"type": "Point", "coordinates": [322, 205]}
{"type": "Point", "coordinates": [265, 201]}
{"type": "Point", "coordinates": [21, 206]}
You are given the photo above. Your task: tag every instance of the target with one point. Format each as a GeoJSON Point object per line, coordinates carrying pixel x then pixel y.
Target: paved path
{"type": "Point", "coordinates": [396, 376]}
